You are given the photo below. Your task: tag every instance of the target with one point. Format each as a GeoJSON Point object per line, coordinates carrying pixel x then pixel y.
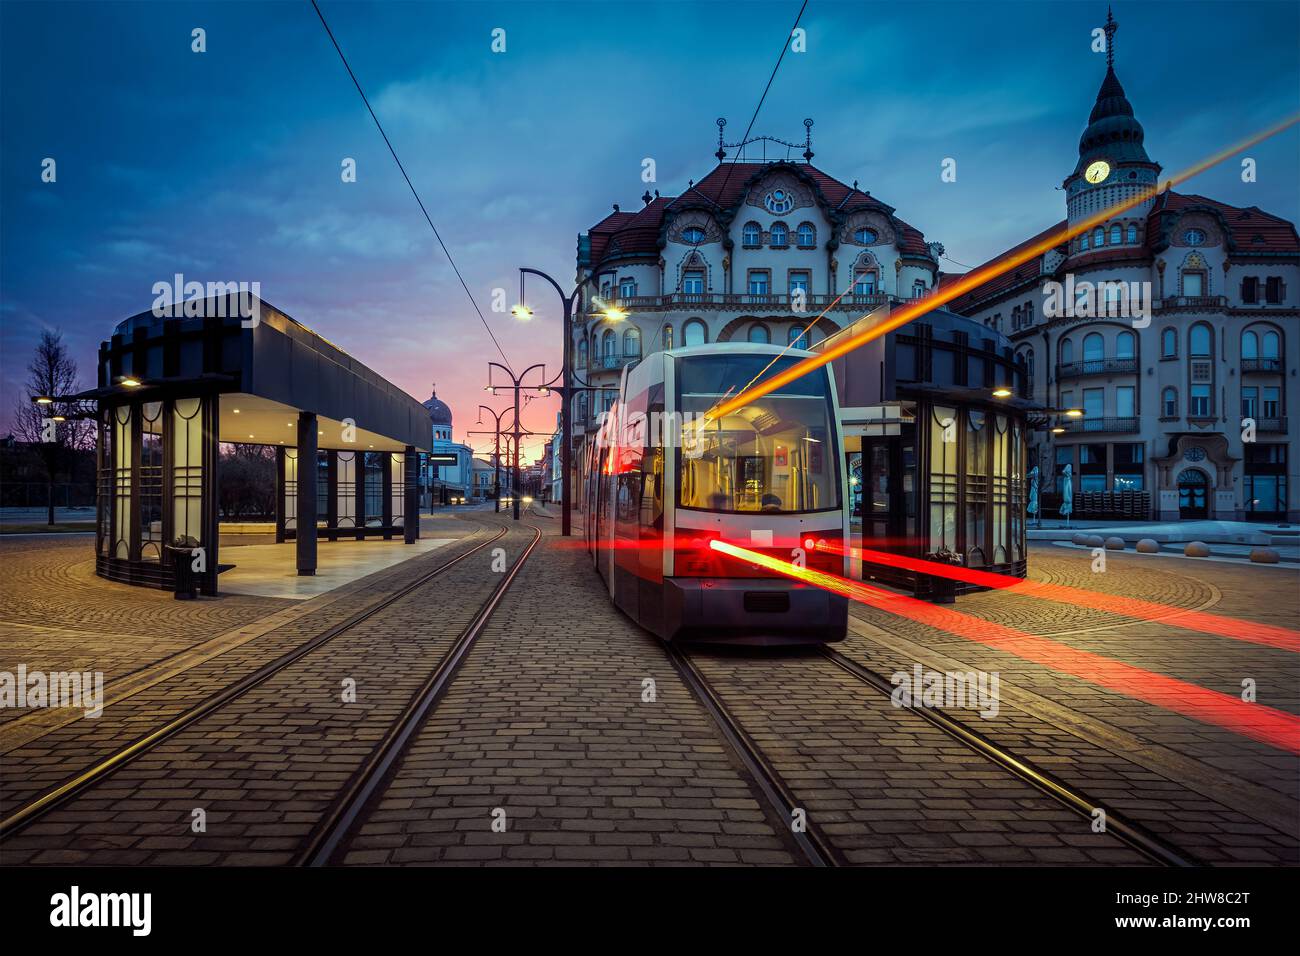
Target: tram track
{"type": "Point", "coordinates": [329, 838]}
{"type": "Point", "coordinates": [780, 799]}
{"type": "Point", "coordinates": [101, 769]}
{"type": "Point", "coordinates": [1136, 836]}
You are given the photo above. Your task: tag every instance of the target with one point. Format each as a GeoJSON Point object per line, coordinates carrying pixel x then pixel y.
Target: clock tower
{"type": "Point", "coordinates": [1113, 164]}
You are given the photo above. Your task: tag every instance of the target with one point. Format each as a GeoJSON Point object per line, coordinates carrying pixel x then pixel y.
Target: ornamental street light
{"type": "Point", "coordinates": [518, 432]}
{"type": "Point", "coordinates": [496, 455]}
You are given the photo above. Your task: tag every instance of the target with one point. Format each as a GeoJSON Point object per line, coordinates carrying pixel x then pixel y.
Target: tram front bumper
{"type": "Point", "coordinates": [752, 611]}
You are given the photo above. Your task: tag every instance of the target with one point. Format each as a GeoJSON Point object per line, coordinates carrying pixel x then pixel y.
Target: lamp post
{"type": "Point", "coordinates": [566, 387]}
{"type": "Point", "coordinates": [517, 432]}
{"type": "Point", "coordinates": [496, 455]}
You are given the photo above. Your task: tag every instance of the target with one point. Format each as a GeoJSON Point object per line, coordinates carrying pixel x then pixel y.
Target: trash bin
{"type": "Point", "coordinates": [186, 581]}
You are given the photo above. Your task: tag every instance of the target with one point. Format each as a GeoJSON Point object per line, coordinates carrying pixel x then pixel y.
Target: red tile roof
{"type": "Point", "coordinates": [725, 186]}
{"type": "Point", "coordinates": [1250, 228]}
{"type": "Point", "coordinates": [1008, 280]}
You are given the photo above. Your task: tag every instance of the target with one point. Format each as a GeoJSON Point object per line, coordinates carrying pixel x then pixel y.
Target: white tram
{"type": "Point", "coordinates": [662, 480]}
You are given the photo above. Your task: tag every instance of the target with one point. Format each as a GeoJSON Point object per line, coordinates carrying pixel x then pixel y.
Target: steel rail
{"type": "Point", "coordinates": [1134, 834]}
{"type": "Point", "coordinates": [330, 835]}
{"type": "Point", "coordinates": [35, 809]}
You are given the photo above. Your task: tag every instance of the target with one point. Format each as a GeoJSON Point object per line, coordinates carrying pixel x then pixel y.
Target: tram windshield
{"type": "Point", "coordinates": [778, 454]}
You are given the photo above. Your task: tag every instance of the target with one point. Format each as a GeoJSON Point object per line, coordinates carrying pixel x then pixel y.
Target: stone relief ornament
{"type": "Point", "coordinates": [687, 227]}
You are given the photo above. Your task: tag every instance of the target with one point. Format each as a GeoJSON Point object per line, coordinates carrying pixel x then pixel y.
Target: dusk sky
{"type": "Point", "coordinates": [225, 166]}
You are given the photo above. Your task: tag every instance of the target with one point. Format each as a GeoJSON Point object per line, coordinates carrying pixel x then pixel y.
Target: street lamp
{"type": "Point", "coordinates": [496, 454]}
{"type": "Point", "coordinates": [566, 386]}
{"type": "Point", "coordinates": [518, 432]}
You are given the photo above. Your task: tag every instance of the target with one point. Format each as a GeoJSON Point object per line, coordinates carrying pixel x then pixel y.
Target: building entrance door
{"type": "Point", "coordinates": [1193, 488]}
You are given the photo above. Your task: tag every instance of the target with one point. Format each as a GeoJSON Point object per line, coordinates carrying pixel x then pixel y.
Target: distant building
{"type": "Point", "coordinates": [1182, 372]}
{"type": "Point", "coordinates": [441, 483]}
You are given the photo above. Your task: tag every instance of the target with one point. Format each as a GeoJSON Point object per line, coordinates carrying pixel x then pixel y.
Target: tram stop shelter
{"type": "Point", "coordinates": [171, 389]}
{"type": "Point", "coordinates": [934, 415]}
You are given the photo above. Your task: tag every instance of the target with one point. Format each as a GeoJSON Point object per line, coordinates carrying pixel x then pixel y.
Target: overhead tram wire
{"type": "Point", "coordinates": [411, 185]}
{"type": "Point", "coordinates": [750, 128]}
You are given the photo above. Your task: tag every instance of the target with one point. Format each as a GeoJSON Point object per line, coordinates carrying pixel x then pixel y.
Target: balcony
{"type": "Point", "coordinates": [1271, 426]}
{"type": "Point", "coordinates": [1190, 303]}
{"type": "Point", "coordinates": [1261, 365]}
{"type": "Point", "coordinates": [606, 362]}
{"type": "Point", "coordinates": [1118, 425]}
{"type": "Point", "coordinates": [1096, 367]}
{"type": "Point", "coordinates": [740, 302]}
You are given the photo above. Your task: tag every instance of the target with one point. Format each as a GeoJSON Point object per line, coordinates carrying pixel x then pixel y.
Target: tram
{"type": "Point", "coordinates": [664, 479]}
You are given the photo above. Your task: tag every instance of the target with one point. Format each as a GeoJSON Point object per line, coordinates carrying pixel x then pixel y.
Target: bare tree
{"type": "Point", "coordinates": [52, 372]}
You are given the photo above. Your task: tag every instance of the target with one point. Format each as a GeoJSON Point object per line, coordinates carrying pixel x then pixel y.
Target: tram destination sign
{"type": "Point", "coordinates": [444, 459]}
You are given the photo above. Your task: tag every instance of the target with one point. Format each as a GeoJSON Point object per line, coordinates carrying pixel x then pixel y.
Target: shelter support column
{"type": "Point", "coordinates": [411, 519]}
{"type": "Point", "coordinates": [307, 469]}
{"type": "Point", "coordinates": [280, 510]}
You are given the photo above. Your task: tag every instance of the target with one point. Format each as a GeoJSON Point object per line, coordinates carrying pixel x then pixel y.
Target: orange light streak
{"type": "Point", "coordinates": [977, 277]}
{"type": "Point", "coordinates": [1255, 721]}
{"type": "Point", "coordinates": [1265, 634]}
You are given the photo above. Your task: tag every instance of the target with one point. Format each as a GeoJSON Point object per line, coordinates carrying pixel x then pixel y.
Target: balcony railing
{"type": "Point", "coordinates": [1271, 426]}
{"type": "Point", "coordinates": [1261, 365]}
{"type": "Point", "coordinates": [737, 301]}
{"type": "Point", "coordinates": [1101, 424]}
{"type": "Point", "coordinates": [1192, 302]}
{"type": "Point", "coordinates": [1096, 367]}
{"type": "Point", "coordinates": [615, 361]}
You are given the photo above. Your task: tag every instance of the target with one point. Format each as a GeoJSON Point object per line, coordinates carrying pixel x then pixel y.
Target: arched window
{"type": "Point", "coordinates": [1116, 235]}
{"type": "Point", "coordinates": [1067, 351]}
{"type": "Point", "coordinates": [807, 235]}
{"type": "Point", "coordinates": [864, 282]}
{"type": "Point", "coordinates": [632, 343]}
{"type": "Point", "coordinates": [1132, 234]}
{"type": "Point", "coordinates": [582, 353]}
{"type": "Point", "coordinates": [1093, 347]}
{"type": "Point", "coordinates": [1169, 403]}
{"type": "Point", "coordinates": [609, 346]}
{"type": "Point", "coordinates": [668, 336]}
{"type": "Point", "coordinates": [1126, 345]}
{"type": "Point", "coordinates": [797, 338]}
{"type": "Point", "coordinates": [582, 406]}
{"type": "Point", "coordinates": [759, 333]}
{"type": "Point", "coordinates": [1272, 345]}
{"type": "Point", "coordinates": [1201, 341]}
{"type": "Point", "coordinates": [1168, 344]}
{"type": "Point", "coordinates": [1249, 345]}
{"type": "Point", "coordinates": [694, 332]}
{"type": "Point", "coordinates": [864, 236]}
{"type": "Point", "coordinates": [1083, 242]}
{"type": "Point", "coordinates": [1099, 237]}
{"type": "Point", "coordinates": [918, 289]}
{"type": "Point", "coordinates": [779, 235]}
{"type": "Point", "coordinates": [752, 236]}
{"type": "Point", "coordinates": [1027, 317]}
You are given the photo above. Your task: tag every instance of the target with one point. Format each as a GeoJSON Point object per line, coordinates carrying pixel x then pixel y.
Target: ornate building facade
{"type": "Point", "coordinates": [1173, 327]}
{"type": "Point", "coordinates": [753, 252]}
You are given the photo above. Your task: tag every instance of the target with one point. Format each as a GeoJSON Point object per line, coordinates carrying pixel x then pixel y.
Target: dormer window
{"type": "Point", "coordinates": [864, 236]}
{"type": "Point", "coordinates": [780, 235]}
{"type": "Point", "coordinates": [1194, 237]}
{"type": "Point", "coordinates": [751, 236]}
{"type": "Point", "coordinates": [693, 235]}
{"type": "Point", "coordinates": [778, 201]}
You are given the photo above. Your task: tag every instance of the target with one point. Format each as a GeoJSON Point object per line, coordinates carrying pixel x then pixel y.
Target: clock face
{"type": "Point", "coordinates": [1097, 171]}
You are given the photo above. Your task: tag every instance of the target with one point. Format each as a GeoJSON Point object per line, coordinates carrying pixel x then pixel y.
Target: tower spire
{"type": "Point", "coordinates": [1111, 27]}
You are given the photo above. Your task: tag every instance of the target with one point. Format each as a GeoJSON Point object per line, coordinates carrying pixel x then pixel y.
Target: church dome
{"type": "Point", "coordinates": [439, 412]}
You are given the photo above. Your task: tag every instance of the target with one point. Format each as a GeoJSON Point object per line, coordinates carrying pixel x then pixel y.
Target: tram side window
{"type": "Point", "coordinates": [652, 464]}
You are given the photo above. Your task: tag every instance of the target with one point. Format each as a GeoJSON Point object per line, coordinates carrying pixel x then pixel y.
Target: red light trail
{"type": "Point", "coordinates": [1234, 628]}
{"type": "Point", "coordinates": [1256, 721]}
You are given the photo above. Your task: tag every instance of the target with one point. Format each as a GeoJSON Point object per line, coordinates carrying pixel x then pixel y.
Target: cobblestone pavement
{"type": "Point", "coordinates": [545, 722]}
{"type": "Point", "coordinates": [1222, 797]}
{"type": "Point", "coordinates": [55, 614]}
{"type": "Point", "coordinates": [107, 822]}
